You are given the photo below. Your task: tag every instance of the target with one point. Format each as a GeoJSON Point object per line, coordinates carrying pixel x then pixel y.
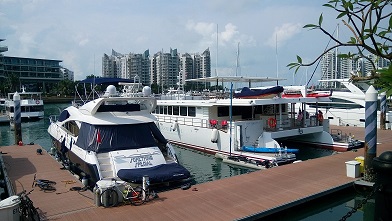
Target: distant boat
{"type": "Point", "coordinates": [268, 149]}
{"type": "Point", "coordinates": [31, 104]}
{"type": "Point", "coordinates": [259, 93]}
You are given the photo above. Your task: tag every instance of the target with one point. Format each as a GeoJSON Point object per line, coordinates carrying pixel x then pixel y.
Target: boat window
{"type": "Point", "coordinates": [192, 111]}
{"type": "Point", "coordinates": [183, 111]}
{"type": "Point", "coordinates": [160, 109]}
{"type": "Point", "coordinates": [170, 110]}
{"type": "Point", "coordinates": [175, 110]}
{"type": "Point", "coordinates": [223, 111]}
{"type": "Point", "coordinates": [72, 127]}
{"type": "Point", "coordinates": [165, 110]}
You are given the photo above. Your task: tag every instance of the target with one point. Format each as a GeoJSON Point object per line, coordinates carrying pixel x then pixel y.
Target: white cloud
{"type": "Point", "coordinates": [283, 33]}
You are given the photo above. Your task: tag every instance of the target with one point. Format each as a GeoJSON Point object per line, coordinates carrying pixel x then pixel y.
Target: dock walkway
{"type": "Point", "coordinates": [249, 196]}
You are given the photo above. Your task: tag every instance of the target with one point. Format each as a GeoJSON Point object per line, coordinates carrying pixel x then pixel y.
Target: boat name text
{"type": "Point", "coordinates": [142, 161]}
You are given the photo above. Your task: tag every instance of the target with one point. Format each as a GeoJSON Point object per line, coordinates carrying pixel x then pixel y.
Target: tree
{"type": "Point", "coordinates": [370, 23]}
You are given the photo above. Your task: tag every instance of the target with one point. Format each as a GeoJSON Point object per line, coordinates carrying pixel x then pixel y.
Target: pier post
{"type": "Point", "coordinates": [370, 132]}
{"type": "Point", "coordinates": [383, 112]}
{"type": "Point", "coordinates": [17, 118]}
{"type": "Point", "coordinates": [383, 194]}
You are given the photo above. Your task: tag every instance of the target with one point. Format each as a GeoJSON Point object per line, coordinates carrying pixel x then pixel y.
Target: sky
{"type": "Point", "coordinates": [246, 38]}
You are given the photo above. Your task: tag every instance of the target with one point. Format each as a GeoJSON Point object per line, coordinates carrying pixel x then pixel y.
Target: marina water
{"type": "Point", "coordinates": [203, 167]}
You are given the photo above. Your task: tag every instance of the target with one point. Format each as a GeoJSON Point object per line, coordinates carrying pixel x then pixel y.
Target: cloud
{"type": "Point", "coordinates": [283, 33]}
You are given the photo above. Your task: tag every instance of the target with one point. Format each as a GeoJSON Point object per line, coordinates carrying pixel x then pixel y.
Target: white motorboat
{"type": "Point", "coordinates": [31, 104]}
{"type": "Point", "coordinates": [347, 107]}
{"type": "Point", "coordinates": [205, 124]}
{"type": "Point", "coordinates": [114, 137]}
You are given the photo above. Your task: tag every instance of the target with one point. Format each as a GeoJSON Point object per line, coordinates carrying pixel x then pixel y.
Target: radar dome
{"type": "Point", "coordinates": [110, 91]}
{"type": "Point", "coordinates": [146, 91]}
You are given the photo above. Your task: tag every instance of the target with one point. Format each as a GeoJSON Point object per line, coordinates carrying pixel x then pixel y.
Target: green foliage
{"type": "Point", "coordinates": [370, 22]}
{"type": "Point", "coordinates": [385, 80]}
{"type": "Point", "coordinates": [65, 87]}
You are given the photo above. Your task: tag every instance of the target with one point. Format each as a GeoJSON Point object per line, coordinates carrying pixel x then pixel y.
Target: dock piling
{"type": "Point", "coordinates": [370, 132]}
{"type": "Point", "coordinates": [17, 119]}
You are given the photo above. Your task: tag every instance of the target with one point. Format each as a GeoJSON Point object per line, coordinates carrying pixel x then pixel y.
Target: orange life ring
{"type": "Point", "coordinates": [272, 122]}
{"type": "Point", "coordinates": [37, 101]}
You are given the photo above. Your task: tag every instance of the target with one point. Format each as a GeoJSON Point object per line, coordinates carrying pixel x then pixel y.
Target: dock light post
{"type": "Point", "coordinates": [370, 132]}
{"type": "Point", "coordinates": [383, 108]}
{"type": "Point", "coordinates": [17, 119]}
{"type": "Point", "coordinates": [383, 194]}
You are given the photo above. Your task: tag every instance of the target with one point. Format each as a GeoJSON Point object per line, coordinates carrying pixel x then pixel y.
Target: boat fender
{"type": "Point", "coordinates": [97, 196]}
{"type": "Point", "coordinates": [174, 126]}
{"type": "Point", "coordinates": [214, 135]}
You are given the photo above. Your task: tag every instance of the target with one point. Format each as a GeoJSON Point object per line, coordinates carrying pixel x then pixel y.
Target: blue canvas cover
{"type": "Point", "coordinates": [106, 138]}
{"type": "Point", "coordinates": [63, 116]}
{"type": "Point", "coordinates": [158, 174]}
{"type": "Point", "coordinates": [245, 92]}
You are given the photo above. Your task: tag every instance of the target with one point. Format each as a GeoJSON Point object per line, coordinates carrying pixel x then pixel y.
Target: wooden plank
{"type": "Point", "coordinates": [226, 199]}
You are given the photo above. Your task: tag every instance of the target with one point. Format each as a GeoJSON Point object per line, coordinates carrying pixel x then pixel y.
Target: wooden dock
{"type": "Point", "coordinates": [249, 196]}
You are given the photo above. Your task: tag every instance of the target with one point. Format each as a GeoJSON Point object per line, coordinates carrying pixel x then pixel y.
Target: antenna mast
{"type": "Point", "coordinates": [216, 63]}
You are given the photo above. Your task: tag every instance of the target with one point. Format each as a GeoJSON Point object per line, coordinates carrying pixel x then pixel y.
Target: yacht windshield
{"type": "Point", "coordinates": [105, 138]}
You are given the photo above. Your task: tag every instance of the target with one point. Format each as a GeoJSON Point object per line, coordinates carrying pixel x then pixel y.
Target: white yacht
{"type": "Point", "coordinates": [347, 107]}
{"type": "Point", "coordinates": [31, 103]}
{"type": "Point", "coordinates": [205, 124]}
{"type": "Point", "coordinates": [113, 137]}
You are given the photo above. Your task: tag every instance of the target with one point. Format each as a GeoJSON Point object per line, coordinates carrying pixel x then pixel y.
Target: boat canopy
{"type": "Point", "coordinates": [63, 116]}
{"type": "Point", "coordinates": [105, 138]}
{"type": "Point", "coordinates": [115, 81]}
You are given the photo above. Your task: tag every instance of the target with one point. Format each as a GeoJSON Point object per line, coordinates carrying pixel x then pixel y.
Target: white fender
{"type": "Point", "coordinates": [214, 135]}
{"type": "Point", "coordinates": [174, 126]}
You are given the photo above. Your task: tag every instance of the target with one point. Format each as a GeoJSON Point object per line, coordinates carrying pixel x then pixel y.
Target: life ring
{"type": "Point", "coordinates": [272, 122]}
{"type": "Point", "coordinates": [37, 101]}
{"type": "Point", "coordinates": [320, 117]}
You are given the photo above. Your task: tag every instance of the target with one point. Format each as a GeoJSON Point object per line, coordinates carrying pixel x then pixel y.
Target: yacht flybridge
{"type": "Point", "coordinates": [113, 137]}
{"type": "Point", "coordinates": [238, 128]}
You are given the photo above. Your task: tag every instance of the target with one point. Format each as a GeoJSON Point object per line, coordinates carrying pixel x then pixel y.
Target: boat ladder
{"type": "Point", "coordinates": [105, 165]}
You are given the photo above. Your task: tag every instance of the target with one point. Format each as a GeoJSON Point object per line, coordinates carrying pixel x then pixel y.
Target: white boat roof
{"type": "Point", "coordinates": [235, 79]}
{"type": "Point", "coordinates": [88, 113]}
{"type": "Point", "coordinates": [241, 102]}
{"type": "Point", "coordinates": [109, 118]}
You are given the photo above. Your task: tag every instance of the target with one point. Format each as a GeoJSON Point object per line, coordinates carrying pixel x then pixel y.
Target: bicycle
{"type": "Point", "coordinates": [134, 195]}
{"type": "Point", "coordinates": [45, 185]}
{"type": "Point", "coordinates": [27, 210]}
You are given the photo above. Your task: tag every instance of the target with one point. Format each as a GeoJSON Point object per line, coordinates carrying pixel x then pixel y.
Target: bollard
{"type": "Point", "coordinates": [370, 132]}
{"type": "Point", "coordinates": [382, 165]}
{"type": "Point", "coordinates": [17, 118]}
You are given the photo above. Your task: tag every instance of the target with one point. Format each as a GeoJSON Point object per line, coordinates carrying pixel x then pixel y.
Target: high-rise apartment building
{"type": "Point", "coordinates": [67, 74]}
{"type": "Point", "coordinates": [139, 65]}
{"type": "Point", "coordinates": [163, 69]}
{"type": "Point", "coordinates": [333, 67]}
{"type": "Point", "coordinates": [112, 65]}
